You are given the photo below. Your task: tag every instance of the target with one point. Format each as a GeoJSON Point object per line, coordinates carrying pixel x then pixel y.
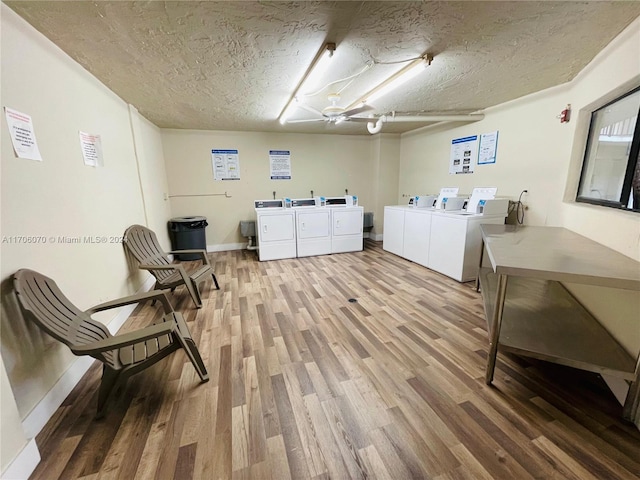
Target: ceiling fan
{"type": "Point", "coordinates": [332, 113]}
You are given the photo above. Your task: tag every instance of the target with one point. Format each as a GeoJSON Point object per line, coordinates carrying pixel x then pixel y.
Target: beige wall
{"type": "Point", "coordinates": [326, 164]}
{"type": "Point", "coordinates": [12, 440]}
{"type": "Point", "coordinates": [538, 153]}
{"type": "Point", "coordinates": [153, 176]}
{"type": "Point", "coordinates": [62, 197]}
{"type": "Point", "coordinates": [615, 71]}
{"type": "Point", "coordinates": [533, 148]}
{"type": "Point", "coordinates": [386, 156]}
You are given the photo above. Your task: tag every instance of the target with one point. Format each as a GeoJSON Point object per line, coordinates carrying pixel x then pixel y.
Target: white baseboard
{"type": "Point", "coordinates": [24, 464]}
{"type": "Point", "coordinates": [44, 410]}
{"type": "Point", "coordinates": [224, 247]}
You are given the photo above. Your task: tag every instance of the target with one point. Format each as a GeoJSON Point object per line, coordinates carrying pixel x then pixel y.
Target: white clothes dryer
{"type": "Point", "coordinates": [313, 227]}
{"type": "Point", "coordinates": [346, 224]}
{"type": "Point", "coordinates": [276, 230]}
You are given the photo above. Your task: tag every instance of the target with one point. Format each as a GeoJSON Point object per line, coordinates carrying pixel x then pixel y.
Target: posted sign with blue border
{"type": "Point", "coordinates": [280, 164]}
{"type": "Point", "coordinates": [226, 164]}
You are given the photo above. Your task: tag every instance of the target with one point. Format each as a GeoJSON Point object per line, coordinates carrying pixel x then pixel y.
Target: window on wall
{"type": "Point", "coordinates": [611, 167]}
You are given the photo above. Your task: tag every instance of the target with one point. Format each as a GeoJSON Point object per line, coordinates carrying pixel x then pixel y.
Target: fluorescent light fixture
{"type": "Point", "coordinates": [310, 80]}
{"type": "Point", "coordinates": [394, 81]}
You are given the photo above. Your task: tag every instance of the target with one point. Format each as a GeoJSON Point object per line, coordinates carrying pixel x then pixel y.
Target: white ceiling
{"type": "Point", "coordinates": [233, 65]}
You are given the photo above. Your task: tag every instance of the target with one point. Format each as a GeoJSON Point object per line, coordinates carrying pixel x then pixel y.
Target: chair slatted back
{"type": "Point", "coordinates": [45, 305]}
{"type": "Point", "coordinates": [144, 246]}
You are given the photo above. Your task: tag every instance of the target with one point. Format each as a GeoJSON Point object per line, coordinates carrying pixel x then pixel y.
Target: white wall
{"type": "Point", "coordinates": [326, 164]}
{"type": "Point", "coordinates": [538, 153]}
{"type": "Point", "coordinates": [61, 197]}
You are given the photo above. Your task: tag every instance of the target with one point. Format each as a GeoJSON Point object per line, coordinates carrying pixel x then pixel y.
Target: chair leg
{"type": "Point", "coordinates": [191, 350]}
{"type": "Point", "coordinates": [194, 355]}
{"type": "Point", "coordinates": [155, 287]}
{"type": "Point", "coordinates": [108, 385]}
{"type": "Point", "coordinates": [215, 281]}
{"type": "Point", "coordinates": [194, 292]}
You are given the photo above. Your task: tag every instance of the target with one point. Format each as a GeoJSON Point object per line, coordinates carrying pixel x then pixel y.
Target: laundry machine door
{"type": "Point", "coordinates": [279, 227]}
{"type": "Point", "coordinates": [313, 224]}
{"type": "Point", "coordinates": [347, 222]}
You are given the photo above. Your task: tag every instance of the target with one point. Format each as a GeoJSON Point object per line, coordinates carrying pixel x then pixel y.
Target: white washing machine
{"type": "Point", "coordinates": [313, 227]}
{"type": "Point", "coordinates": [346, 224]}
{"type": "Point", "coordinates": [276, 230]}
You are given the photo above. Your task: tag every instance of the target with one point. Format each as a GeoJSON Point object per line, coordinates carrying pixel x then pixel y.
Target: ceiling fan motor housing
{"type": "Point", "coordinates": [332, 111]}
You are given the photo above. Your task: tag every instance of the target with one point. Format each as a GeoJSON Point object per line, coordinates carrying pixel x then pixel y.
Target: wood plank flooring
{"type": "Point", "coordinates": [308, 385]}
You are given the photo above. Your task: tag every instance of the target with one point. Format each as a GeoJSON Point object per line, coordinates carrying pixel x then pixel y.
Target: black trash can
{"type": "Point", "coordinates": [187, 233]}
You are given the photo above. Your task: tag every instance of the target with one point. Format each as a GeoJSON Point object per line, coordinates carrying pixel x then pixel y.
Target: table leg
{"type": "Point", "coordinates": [496, 323]}
{"type": "Point", "coordinates": [632, 402]}
{"type": "Point", "coordinates": [480, 265]}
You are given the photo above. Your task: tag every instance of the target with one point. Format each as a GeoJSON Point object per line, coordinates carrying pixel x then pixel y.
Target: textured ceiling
{"type": "Point", "coordinates": [233, 65]}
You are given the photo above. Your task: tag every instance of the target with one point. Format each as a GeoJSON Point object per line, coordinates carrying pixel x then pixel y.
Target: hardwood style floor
{"type": "Point", "coordinates": [306, 383]}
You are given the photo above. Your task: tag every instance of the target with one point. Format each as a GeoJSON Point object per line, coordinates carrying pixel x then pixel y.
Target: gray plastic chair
{"type": "Point", "coordinates": [122, 355]}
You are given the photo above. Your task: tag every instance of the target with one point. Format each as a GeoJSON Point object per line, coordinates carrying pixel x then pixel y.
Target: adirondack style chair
{"type": "Point", "coordinates": [143, 244]}
{"type": "Point", "coordinates": [122, 355]}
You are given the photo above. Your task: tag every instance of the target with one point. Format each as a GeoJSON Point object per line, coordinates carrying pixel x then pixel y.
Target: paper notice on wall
{"type": "Point", "coordinates": [464, 153]}
{"type": "Point", "coordinates": [226, 164]}
{"type": "Point", "coordinates": [280, 164]}
{"type": "Point", "coordinates": [488, 148]}
{"type": "Point", "coordinates": [91, 147]}
{"type": "Point", "coordinates": [22, 135]}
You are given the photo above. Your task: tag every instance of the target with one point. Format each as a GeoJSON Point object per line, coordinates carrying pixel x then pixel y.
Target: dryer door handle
{"type": "Point", "coordinates": [302, 226]}
{"type": "Point", "coordinates": [264, 228]}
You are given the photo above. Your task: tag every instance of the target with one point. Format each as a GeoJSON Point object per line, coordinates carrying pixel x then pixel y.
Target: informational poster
{"type": "Point", "coordinates": [488, 148]}
{"type": "Point", "coordinates": [280, 164]}
{"type": "Point", "coordinates": [91, 149]}
{"type": "Point", "coordinates": [226, 164]}
{"type": "Point", "coordinates": [464, 153]}
{"type": "Point", "coordinates": [22, 135]}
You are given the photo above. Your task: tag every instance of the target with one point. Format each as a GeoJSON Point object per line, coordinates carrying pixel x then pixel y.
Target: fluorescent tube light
{"type": "Point", "coordinates": [394, 81]}
{"type": "Point", "coordinates": [310, 80]}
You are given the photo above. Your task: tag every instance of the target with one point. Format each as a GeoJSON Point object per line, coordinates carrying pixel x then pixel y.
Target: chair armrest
{"type": "Point", "coordinates": [152, 295]}
{"type": "Point", "coordinates": [119, 341]}
{"type": "Point", "coordinates": [200, 251]}
{"type": "Point", "coordinates": [157, 267]}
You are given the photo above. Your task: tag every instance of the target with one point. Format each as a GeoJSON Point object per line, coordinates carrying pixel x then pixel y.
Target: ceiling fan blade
{"type": "Point", "coordinates": [309, 108]}
{"type": "Point", "coordinates": [307, 120]}
{"type": "Point", "coordinates": [356, 111]}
